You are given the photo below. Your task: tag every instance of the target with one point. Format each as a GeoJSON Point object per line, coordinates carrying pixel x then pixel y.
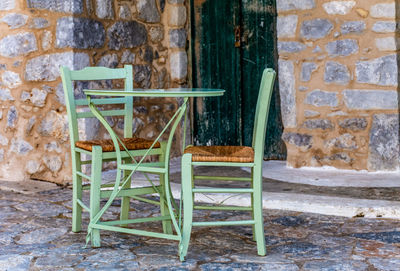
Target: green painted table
{"type": "Point", "coordinates": [174, 211]}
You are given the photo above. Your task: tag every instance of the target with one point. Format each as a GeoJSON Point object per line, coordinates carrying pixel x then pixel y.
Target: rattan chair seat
{"type": "Point", "coordinates": [234, 154]}
{"type": "Point", "coordinates": [107, 145]}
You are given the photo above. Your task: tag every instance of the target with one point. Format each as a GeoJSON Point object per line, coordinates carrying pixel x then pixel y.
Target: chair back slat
{"type": "Point", "coordinates": [103, 101]}
{"type": "Point", "coordinates": [94, 74]}
{"type": "Point", "coordinates": [261, 114]}
{"type": "Point", "coordinates": [98, 73]}
{"type": "Point", "coordinates": [104, 113]}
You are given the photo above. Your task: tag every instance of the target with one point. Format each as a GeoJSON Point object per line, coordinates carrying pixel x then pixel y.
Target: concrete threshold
{"type": "Point", "coordinates": [338, 206]}
{"type": "Point", "coordinates": [329, 176]}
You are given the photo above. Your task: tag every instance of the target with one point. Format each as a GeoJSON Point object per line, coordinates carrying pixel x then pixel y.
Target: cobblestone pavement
{"type": "Point", "coordinates": [35, 235]}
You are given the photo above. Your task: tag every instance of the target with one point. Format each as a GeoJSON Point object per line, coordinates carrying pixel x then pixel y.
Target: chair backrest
{"type": "Point", "coordinates": [261, 115]}
{"type": "Point", "coordinates": [93, 74]}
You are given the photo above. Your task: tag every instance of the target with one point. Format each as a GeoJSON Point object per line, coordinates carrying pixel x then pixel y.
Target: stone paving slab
{"type": "Point", "coordinates": [39, 238]}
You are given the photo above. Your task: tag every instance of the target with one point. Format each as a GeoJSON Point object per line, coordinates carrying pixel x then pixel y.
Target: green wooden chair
{"type": "Point", "coordinates": [103, 150]}
{"type": "Point", "coordinates": [230, 156]}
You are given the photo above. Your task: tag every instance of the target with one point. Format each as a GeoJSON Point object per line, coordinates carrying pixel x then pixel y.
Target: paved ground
{"type": "Point", "coordinates": [35, 235]}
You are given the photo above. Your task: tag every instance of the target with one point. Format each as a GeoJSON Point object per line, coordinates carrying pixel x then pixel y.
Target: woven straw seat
{"type": "Point", "coordinates": [234, 154]}
{"type": "Point", "coordinates": [108, 146]}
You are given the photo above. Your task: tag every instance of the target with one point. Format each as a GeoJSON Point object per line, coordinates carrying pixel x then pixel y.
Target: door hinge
{"type": "Point", "coordinates": [238, 36]}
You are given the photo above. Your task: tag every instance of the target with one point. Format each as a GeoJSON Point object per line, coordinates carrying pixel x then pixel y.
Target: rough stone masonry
{"type": "Point", "coordinates": [338, 77]}
{"type": "Point", "coordinates": [38, 36]}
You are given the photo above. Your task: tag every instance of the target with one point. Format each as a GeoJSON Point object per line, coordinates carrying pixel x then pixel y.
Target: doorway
{"type": "Point", "coordinates": [232, 42]}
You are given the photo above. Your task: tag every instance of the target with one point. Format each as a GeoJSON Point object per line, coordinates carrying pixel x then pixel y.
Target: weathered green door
{"type": "Point", "coordinates": [232, 42]}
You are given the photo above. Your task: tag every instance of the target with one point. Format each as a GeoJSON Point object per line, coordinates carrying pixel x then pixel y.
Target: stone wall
{"type": "Point", "coordinates": [338, 77]}
{"type": "Point", "coordinates": [37, 36]}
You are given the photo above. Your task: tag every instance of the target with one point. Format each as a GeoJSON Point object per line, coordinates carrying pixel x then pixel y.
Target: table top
{"type": "Point", "coordinates": [171, 92]}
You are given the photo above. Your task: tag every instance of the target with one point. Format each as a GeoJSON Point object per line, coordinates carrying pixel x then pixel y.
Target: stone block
{"type": "Point", "coordinates": [311, 114]}
{"type": "Point", "coordinates": [47, 38]}
{"type": "Point", "coordinates": [384, 27]}
{"type": "Point", "coordinates": [126, 35]}
{"type": "Point", "coordinates": [336, 73]}
{"type": "Point", "coordinates": [344, 141]}
{"type": "Point", "coordinates": [66, 6]}
{"type": "Point", "coordinates": [5, 95]}
{"type": "Point", "coordinates": [322, 98]}
{"type": "Point", "coordinates": [18, 44]}
{"type": "Point", "coordinates": [317, 49]}
{"type": "Point", "coordinates": [105, 9]}
{"type": "Point", "coordinates": [142, 75]}
{"type": "Point", "coordinates": [15, 20]}
{"type": "Point", "coordinates": [39, 23]}
{"type": "Point", "coordinates": [20, 147]}
{"type": "Point", "coordinates": [179, 65]}
{"type": "Point", "coordinates": [286, 26]}
{"type": "Point", "coordinates": [109, 61]}
{"type": "Point", "coordinates": [38, 97]}
{"type": "Point", "coordinates": [177, 16]}
{"type": "Point", "coordinates": [128, 57]}
{"type": "Point", "coordinates": [79, 33]}
{"type": "Point", "coordinates": [11, 79]}
{"type": "Point", "coordinates": [30, 125]}
{"type": "Point", "coordinates": [52, 162]}
{"type": "Point", "coordinates": [88, 129]}
{"type": "Point", "coordinates": [384, 142]}
{"type": "Point", "coordinates": [3, 140]}
{"type": "Point", "coordinates": [354, 124]}
{"type": "Point", "coordinates": [148, 54]}
{"type": "Point", "coordinates": [32, 167]}
{"type": "Point", "coordinates": [147, 11]}
{"type": "Point", "coordinates": [323, 124]}
{"type": "Point", "coordinates": [286, 5]}
{"type": "Point", "coordinates": [290, 47]}
{"type": "Point", "coordinates": [342, 47]}
{"type": "Point", "coordinates": [156, 33]}
{"type": "Point", "coordinates": [307, 68]}
{"type": "Point", "coordinates": [7, 5]}
{"type": "Point", "coordinates": [25, 96]}
{"type": "Point", "coordinates": [338, 7]}
{"type": "Point", "coordinates": [60, 94]}
{"type": "Point", "coordinates": [55, 125]}
{"type": "Point", "coordinates": [287, 92]}
{"type": "Point", "coordinates": [383, 10]}
{"type": "Point", "coordinates": [337, 113]}
{"type": "Point", "coordinates": [352, 27]}
{"type": "Point", "coordinates": [12, 117]}
{"type": "Point", "coordinates": [297, 139]}
{"type": "Point", "coordinates": [47, 67]}
{"type": "Point", "coordinates": [125, 12]}
{"type": "Point", "coordinates": [386, 44]}
{"type": "Point", "coordinates": [315, 29]}
{"type": "Point", "coordinates": [380, 71]}
{"type": "Point", "coordinates": [177, 38]}
{"type": "Point", "coordinates": [370, 99]}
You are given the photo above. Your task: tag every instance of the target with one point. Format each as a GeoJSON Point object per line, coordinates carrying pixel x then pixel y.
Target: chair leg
{"type": "Point", "coordinates": [95, 188]}
{"type": "Point", "coordinates": [252, 206]}
{"type": "Point", "coordinates": [187, 197]}
{"type": "Point", "coordinates": [76, 192]}
{"type": "Point", "coordinates": [257, 213]}
{"type": "Point", "coordinates": [125, 201]}
{"type": "Point", "coordinates": [166, 224]}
